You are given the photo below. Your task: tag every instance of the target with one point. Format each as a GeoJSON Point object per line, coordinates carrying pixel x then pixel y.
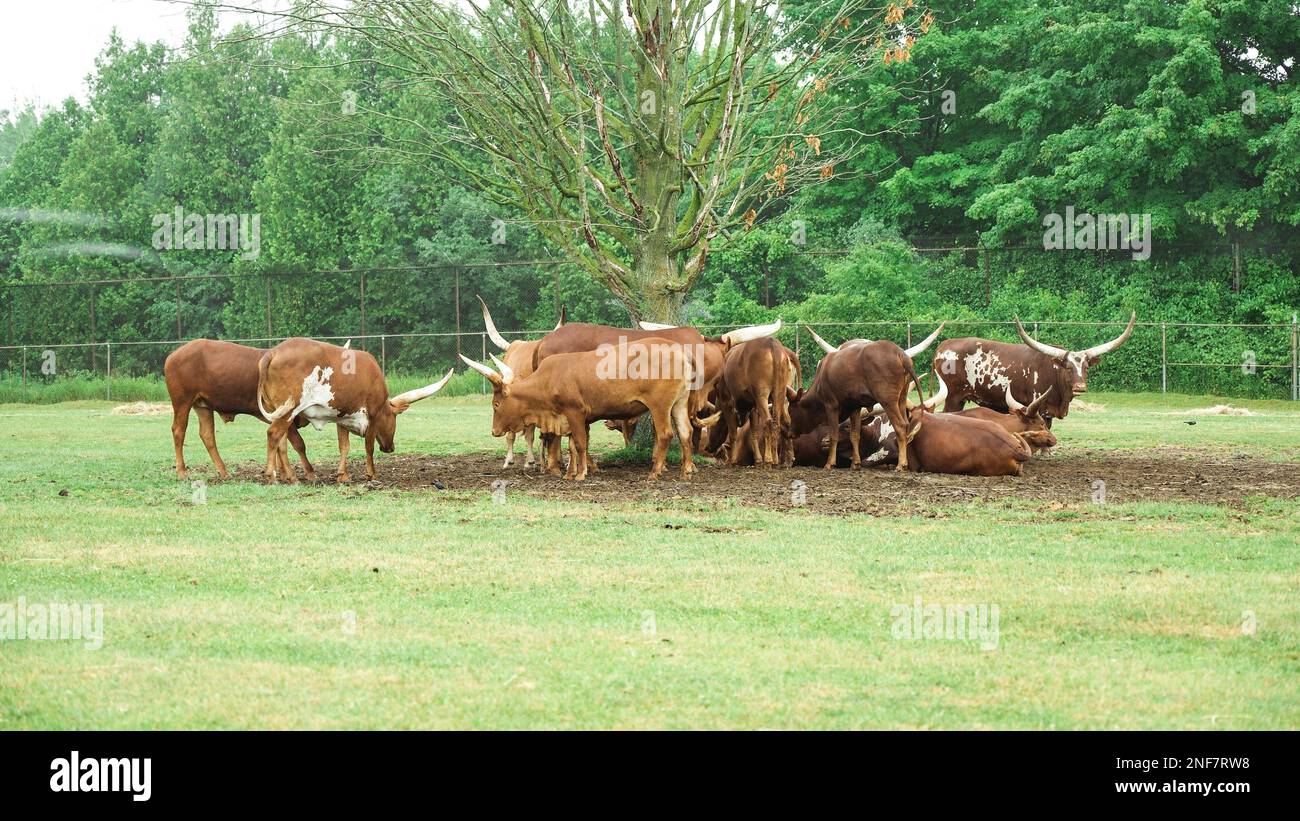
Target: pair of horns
{"type": "Point", "coordinates": [495, 335]}
{"type": "Point", "coordinates": [736, 337]}
{"type": "Point", "coordinates": [1090, 353]}
{"type": "Point", "coordinates": [911, 352]}
{"type": "Point", "coordinates": [505, 377]}
{"type": "Point", "coordinates": [1027, 410]}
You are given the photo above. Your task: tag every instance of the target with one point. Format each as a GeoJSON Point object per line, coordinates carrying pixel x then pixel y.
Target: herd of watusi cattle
{"type": "Point", "coordinates": [738, 397]}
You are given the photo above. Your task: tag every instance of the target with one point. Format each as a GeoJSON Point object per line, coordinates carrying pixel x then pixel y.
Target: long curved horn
{"type": "Point", "coordinates": [1012, 405]}
{"type": "Point", "coordinates": [823, 344]}
{"type": "Point", "coordinates": [1100, 350]}
{"type": "Point", "coordinates": [1050, 350]}
{"type": "Point", "coordinates": [347, 344]}
{"type": "Point", "coordinates": [751, 332]}
{"type": "Point", "coordinates": [493, 376]}
{"type": "Point", "coordinates": [655, 326]}
{"type": "Point", "coordinates": [564, 312]}
{"type": "Point", "coordinates": [507, 373]}
{"type": "Point", "coordinates": [421, 393]}
{"type": "Point", "coordinates": [1032, 407]}
{"type": "Point", "coordinates": [939, 395]}
{"type": "Point", "coordinates": [924, 343]}
{"type": "Point", "coordinates": [493, 334]}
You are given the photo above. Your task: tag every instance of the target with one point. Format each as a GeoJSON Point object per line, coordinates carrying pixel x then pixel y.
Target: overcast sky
{"type": "Point", "coordinates": [47, 47]}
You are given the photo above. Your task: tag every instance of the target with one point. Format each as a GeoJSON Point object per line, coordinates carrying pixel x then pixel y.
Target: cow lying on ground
{"type": "Point", "coordinates": [981, 370]}
{"type": "Point", "coordinates": [810, 449]}
{"type": "Point", "coordinates": [569, 391]}
{"type": "Point", "coordinates": [322, 383]}
{"type": "Point", "coordinates": [211, 376]}
{"type": "Point", "coordinates": [1020, 419]}
{"type": "Point", "coordinates": [953, 443]}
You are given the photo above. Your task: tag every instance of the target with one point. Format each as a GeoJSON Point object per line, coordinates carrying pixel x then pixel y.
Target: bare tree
{"type": "Point", "coordinates": [632, 135]}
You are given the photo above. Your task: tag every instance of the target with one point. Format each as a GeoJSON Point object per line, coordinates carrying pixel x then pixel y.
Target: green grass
{"type": "Point", "coordinates": [238, 612]}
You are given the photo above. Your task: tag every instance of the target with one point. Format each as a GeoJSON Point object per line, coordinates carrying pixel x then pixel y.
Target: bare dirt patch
{"type": "Point", "coordinates": [1055, 481]}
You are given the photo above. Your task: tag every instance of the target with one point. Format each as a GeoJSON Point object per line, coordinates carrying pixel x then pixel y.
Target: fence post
{"type": "Point", "coordinates": [482, 356]}
{"type": "Point", "coordinates": [383, 353]}
{"type": "Point", "coordinates": [108, 359]}
{"type": "Point", "coordinates": [1164, 360]}
{"type": "Point", "coordinates": [1295, 363]}
{"type": "Point", "coordinates": [24, 373]}
{"type": "Point", "coordinates": [909, 335]}
{"type": "Point", "coordinates": [363, 310]}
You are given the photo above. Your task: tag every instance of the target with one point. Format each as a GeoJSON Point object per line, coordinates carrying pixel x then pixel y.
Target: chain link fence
{"type": "Point", "coordinates": [1261, 360]}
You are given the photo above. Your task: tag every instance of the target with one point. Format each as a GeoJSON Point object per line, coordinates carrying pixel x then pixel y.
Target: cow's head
{"type": "Point", "coordinates": [507, 410]}
{"type": "Point", "coordinates": [1029, 414]}
{"type": "Point", "coordinates": [384, 420]}
{"type": "Point", "coordinates": [1072, 366]}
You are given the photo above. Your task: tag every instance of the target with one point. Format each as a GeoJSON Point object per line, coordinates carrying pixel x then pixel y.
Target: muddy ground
{"type": "Point", "coordinates": [1153, 475]}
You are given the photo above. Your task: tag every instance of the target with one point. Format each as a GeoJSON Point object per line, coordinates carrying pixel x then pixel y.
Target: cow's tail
{"type": "Point", "coordinates": [263, 365]}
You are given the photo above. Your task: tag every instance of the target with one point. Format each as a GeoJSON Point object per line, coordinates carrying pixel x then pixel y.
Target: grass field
{"type": "Point", "coordinates": [325, 606]}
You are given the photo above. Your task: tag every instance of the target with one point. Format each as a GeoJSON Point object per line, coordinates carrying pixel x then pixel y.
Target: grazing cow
{"type": "Point", "coordinates": [981, 370]}
{"type": "Point", "coordinates": [322, 383]}
{"type": "Point", "coordinates": [755, 379]}
{"type": "Point", "coordinates": [519, 356]}
{"type": "Point", "coordinates": [1021, 419]}
{"type": "Point", "coordinates": [569, 391]}
{"type": "Point", "coordinates": [857, 375]}
{"type": "Point", "coordinates": [211, 376]}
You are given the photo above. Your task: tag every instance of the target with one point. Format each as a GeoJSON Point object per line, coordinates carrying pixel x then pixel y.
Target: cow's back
{"type": "Point", "coordinates": [222, 374]}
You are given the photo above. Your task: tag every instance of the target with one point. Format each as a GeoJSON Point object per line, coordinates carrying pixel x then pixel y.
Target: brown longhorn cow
{"type": "Point", "coordinates": [981, 370]}
{"type": "Point", "coordinates": [1020, 419]}
{"type": "Point", "coordinates": [755, 379]}
{"type": "Point", "coordinates": [853, 376]}
{"type": "Point", "coordinates": [320, 383]}
{"type": "Point", "coordinates": [569, 391]}
{"type": "Point", "coordinates": [518, 354]}
{"type": "Point", "coordinates": [211, 376]}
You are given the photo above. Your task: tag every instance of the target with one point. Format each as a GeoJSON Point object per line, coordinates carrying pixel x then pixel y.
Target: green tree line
{"type": "Point", "coordinates": [1003, 113]}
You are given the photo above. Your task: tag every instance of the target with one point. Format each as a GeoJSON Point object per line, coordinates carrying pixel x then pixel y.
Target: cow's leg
{"type": "Point", "coordinates": [682, 422]}
{"type": "Point", "coordinates": [756, 437]}
{"type": "Point", "coordinates": [551, 441]}
{"type": "Point", "coordinates": [571, 471]}
{"type": "Point", "coordinates": [510, 449]}
{"type": "Point", "coordinates": [285, 468]}
{"type": "Point", "coordinates": [274, 442]}
{"type": "Point", "coordinates": [529, 433]}
{"type": "Point", "coordinates": [578, 444]}
{"type": "Point", "coordinates": [897, 412]}
{"type": "Point", "coordinates": [206, 433]}
{"type": "Point", "coordinates": [662, 419]}
{"type": "Point", "coordinates": [300, 447]}
{"type": "Point", "coordinates": [855, 437]}
{"type": "Point", "coordinates": [344, 443]}
{"type": "Point", "coordinates": [833, 422]}
{"type": "Point", "coordinates": [370, 454]}
{"type": "Point", "coordinates": [180, 421]}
